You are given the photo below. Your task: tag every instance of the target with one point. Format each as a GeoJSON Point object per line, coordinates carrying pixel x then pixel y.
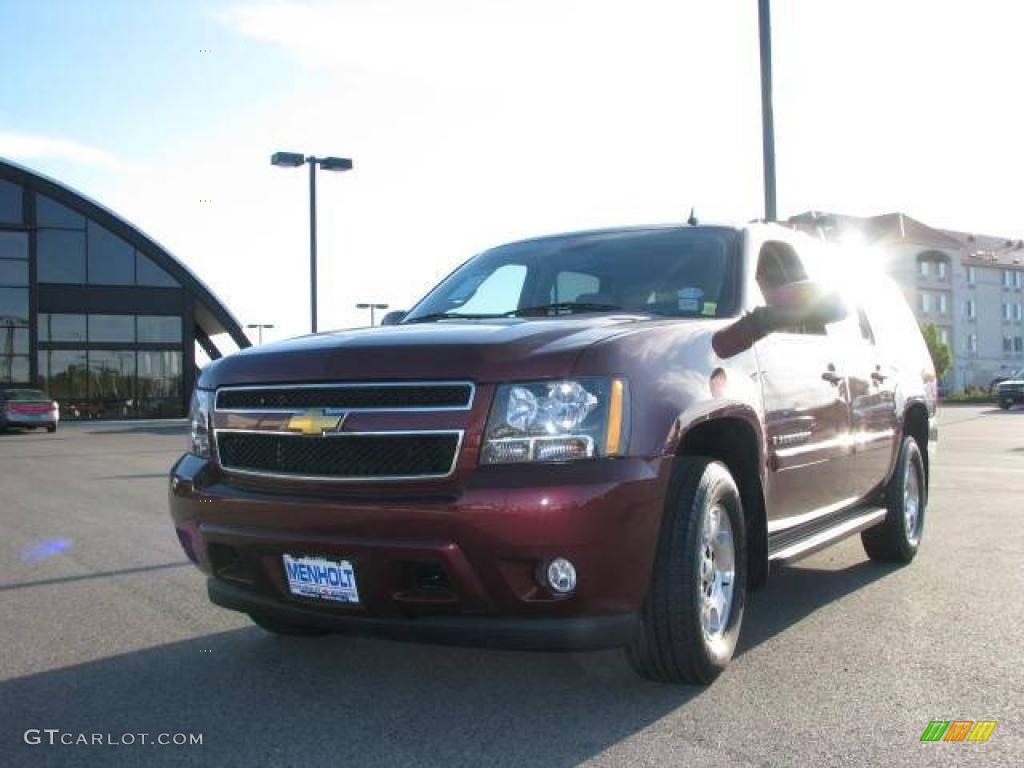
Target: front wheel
{"type": "Point", "coordinates": [690, 621]}
{"type": "Point", "coordinates": [897, 539]}
{"type": "Point", "coordinates": [51, 428]}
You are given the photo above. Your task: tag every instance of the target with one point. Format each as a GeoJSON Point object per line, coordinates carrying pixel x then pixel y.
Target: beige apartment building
{"type": "Point", "coordinates": [970, 286]}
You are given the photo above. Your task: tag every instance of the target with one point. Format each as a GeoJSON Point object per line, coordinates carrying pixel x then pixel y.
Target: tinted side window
{"type": "Point", "coordinates": [570, 286]}
{"type": "Point", "coordinates": [778, 266]}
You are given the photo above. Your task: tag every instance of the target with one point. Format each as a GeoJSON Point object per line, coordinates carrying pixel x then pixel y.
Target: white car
{"type": "Point", "coordinates": [28, 408]}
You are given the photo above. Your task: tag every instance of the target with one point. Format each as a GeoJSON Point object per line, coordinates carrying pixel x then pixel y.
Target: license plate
{"type": "Point", "coordinates": [321, 578]}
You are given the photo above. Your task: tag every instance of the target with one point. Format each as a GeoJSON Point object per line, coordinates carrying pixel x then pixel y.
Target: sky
{"type": "Point", "coordinates": [475, 122]}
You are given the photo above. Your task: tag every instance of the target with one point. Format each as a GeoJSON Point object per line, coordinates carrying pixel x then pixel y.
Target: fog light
{"type": "Point", "coordinates": [561, 576]}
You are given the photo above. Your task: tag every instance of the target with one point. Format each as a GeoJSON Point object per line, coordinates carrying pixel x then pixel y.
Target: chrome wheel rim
{"type": "Point", "coordinates": [912, 502]}
{"type": "Point", "coordinates": [717, 559]}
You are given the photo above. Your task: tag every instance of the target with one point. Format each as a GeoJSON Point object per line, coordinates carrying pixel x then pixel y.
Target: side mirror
{"type": "Point", "coordinates": [394, 317]}
{"type": "Point", "coordinates": [790, 306]}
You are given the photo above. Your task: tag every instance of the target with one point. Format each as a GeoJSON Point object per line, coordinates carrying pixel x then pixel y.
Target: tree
{"type": "Point", "coordinates": [937, 349]}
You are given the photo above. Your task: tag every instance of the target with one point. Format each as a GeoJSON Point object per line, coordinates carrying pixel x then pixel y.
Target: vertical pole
{"type": "Point", "coordinates": [373, 316]}
{"type": "Point", "coordinates": [312, 241]}
{"type": "Point", "coordinates": [767, 119]}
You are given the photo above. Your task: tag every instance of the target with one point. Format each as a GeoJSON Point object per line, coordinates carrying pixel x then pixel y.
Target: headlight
{"type": "Point", "coordinates": [556, 421]}
{"type": "Point", "coordinates": [199, 418]}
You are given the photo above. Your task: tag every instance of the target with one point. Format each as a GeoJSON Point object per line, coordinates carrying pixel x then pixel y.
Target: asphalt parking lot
{"type": "Point", "coordinates": [106, 629]}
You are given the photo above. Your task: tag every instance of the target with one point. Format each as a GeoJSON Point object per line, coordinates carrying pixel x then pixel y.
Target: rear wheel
{"type": "Point", "coordinates": [51, 428]}
{"type": "Point", "coordinates": [897, 539]}
{"type": "Point", "coordinates": [1005, 404]}
{"type": "Point", "coordinates": [278, 627]}
{"type": "Point", "coordinates": [690, 621]}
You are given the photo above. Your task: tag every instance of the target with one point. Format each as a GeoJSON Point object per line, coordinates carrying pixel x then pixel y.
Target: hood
{"type": "Point", "coordinates": [478, 350]}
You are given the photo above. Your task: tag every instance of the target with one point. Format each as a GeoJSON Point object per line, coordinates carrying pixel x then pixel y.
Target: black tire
{"type": "Point", "coordinates": [278, 627]}
{"type": "Point", "coordinates": [891, 541]}
{"type": "Point", "coordinates": [51, 428]}
{"type": "Point", "coordinates": [671, 645]}
{"type": "Point", "coordinates": [1005, 404]}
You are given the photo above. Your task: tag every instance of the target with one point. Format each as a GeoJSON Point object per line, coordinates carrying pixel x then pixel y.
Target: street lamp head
{"type": "Point", "coordinates": [336, 163]}
{"type": "Point", "coordinates": [287, 159]}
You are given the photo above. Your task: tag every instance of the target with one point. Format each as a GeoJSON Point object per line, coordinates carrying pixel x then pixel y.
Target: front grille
{"type": "Point", "coordinates": [395, 397]}
{"type": "Point", "coordinates": [343, 456]}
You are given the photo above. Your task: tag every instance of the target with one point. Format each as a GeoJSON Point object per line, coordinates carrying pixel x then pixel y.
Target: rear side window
{"type": "Point", "coordinates": [865, 326]}
{"type": "Point", "coordinates": [895, 328]}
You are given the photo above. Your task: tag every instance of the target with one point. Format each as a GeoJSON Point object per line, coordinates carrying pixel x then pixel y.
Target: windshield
{"type": "Point", "coordinates": [674, 272]}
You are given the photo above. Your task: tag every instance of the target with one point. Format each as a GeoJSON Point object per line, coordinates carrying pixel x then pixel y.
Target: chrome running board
{"type": "Point", "coordinates": [850, 523]}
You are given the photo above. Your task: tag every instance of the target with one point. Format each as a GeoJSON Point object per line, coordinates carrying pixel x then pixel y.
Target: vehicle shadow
{"type": "Point", "coordinates": [259, 699]}
{"type": "Point", "coordinates": [793, 593]}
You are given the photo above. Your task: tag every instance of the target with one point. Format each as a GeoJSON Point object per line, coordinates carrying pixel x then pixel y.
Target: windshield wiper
{"type": "Point", "coordinates": [560, 306]}
{"type": "Point", "coordinates": [450, 316]}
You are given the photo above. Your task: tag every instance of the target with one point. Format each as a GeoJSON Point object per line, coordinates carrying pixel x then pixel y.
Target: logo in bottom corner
{"type": "Point", "coordinates": [958, 730]}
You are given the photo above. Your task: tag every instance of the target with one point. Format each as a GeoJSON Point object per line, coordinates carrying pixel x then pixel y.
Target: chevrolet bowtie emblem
{"type": "Point", "coordinates": [316, 422]}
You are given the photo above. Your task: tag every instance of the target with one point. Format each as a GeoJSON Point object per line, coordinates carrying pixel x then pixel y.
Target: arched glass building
{"type": "Point", "coordinates": [93, 310]}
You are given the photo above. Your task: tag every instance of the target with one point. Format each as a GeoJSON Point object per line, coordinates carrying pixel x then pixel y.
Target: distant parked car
{"type": "Point", "coordinates": [28, 408]}
{"type": "Point", "coordinates": [1011, 392]}
{"type": "Point", "coordinates": [1017, 375]}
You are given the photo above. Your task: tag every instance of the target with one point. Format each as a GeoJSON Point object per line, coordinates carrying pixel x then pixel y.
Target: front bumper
{"type": "Point", "coordinates": [564, 634]}
{"type": "Point", "coordinates": [1013, 394]}
{"type": "Point", "coordinates": [479, 545]}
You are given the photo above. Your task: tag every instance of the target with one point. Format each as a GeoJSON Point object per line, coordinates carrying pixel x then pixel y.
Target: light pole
{"type": "Point", "coordinates": [294, 160]}
{"type": "Point", "coordinates": [373, 308]}
{"type": "Point", "coordinates": [260, 326]}
{"type": "Point", "coordinates": [764, 28]}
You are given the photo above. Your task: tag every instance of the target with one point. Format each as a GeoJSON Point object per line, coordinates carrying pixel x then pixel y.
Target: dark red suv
{"type": "Point", "coordinates": [581, 441]}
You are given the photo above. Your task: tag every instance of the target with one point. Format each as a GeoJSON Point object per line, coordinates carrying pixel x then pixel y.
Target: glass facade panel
{"type": "Point", "coordinates": [14, 370]}
{"type": "Point", "coordinates": [50, 213]}
{"type": "Point", "coordinates": [155, 329]}
{"type": "Point", "coordinates": [10, 202]}
{"type": "Point", "coordinates": [57, 327]}
{"type": "Point", "coordinates": [13, 272]}
{"type": "Point", "coordinates": [111, 383]}
{"type": "Point", "coordinates": [13, 306]}
{"type": "Point", "coordinates": [63, 373]}
{"type": "Point", "coordinates": [61, 256]}
{"type": "Point", "coordinates": [13, 341]}
{"type": "Point", "coordinates": [148, 273]}
{"type": "Point", "coordinates": [159, 376]}
{"type": "Point", "coordinates": [111, 328]}
{"type": "Point", "coordinates": [111, 259]}
{"type": "Point", "coordinates": [14, 245]}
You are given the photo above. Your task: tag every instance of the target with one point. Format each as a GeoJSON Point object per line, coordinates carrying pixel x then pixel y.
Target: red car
{"type": "Point", "coordinates": [28, 409]}
{"type": "Point", "coordinates": [583, 441]}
